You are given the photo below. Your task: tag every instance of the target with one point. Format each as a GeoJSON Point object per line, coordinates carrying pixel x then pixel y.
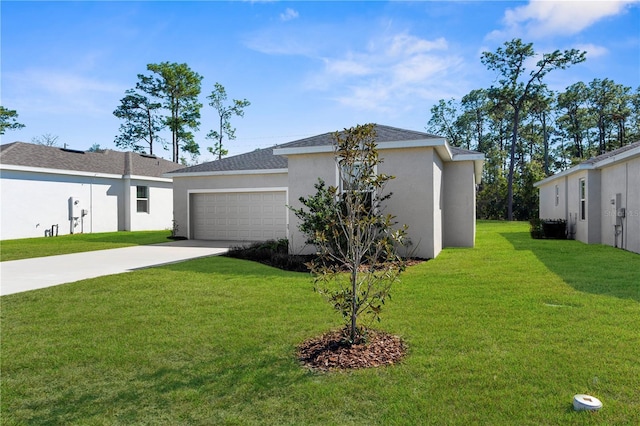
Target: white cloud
{"type": "Point", "coordinates": [545, 18]}
{"type": "Point", "coordinates": [346, 67]}
{"type": "Point", "coordinates": [384, 72]}
{"type": "Point", "coordinates": [593, 51]}
{"type": "Point", "coordinates": [389, 74]}
{"type": "Point", "coordinates": [288, 14]}
{"type": "Point", "coordinates": [405, 44]}
{"type": "Point", "coordinates": [60, 92]}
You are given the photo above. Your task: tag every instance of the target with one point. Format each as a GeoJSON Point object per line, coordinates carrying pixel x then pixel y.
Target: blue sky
{"type": "Point", "coordinates": [306, 67]}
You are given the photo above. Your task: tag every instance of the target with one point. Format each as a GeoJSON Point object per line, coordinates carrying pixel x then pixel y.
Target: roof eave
{"type": "Point", "coordinates": [227, 173]}
{"type": "Point", "coordinates": [618, 157]}
{"type": "Point", "coordinates": [572, 170]}
{"type": "Point", "coordinates": [46, 170]}
{"type": "Point", "coordinates": [412, 143]}
{"type": "Point", "coordinates": [591, 166]}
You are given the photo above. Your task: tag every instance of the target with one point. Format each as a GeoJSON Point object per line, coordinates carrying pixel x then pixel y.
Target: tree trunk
{"type": "Point", "coordinates": [546, 143]}
{"type": "Point", "coordinates": [354, 305]}
{"type": "Point", "coordinates": [512, 158]}
{"type": "Point", "coordinates": [174, 130]}
{"type": "Point", "coordinates": [150, 127]}
{"type": "Point", "coordinates": [220, 140]}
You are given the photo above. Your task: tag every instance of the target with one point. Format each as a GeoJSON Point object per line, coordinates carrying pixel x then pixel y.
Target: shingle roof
{"type": "Point", "coordinates": [108, 161]}
{"type": "Point", "coordinates": [613, 153]}
{"type": "Point", "coordinates": [383, 134]}
{"type": "Point", "coordinates": [260, 159]}
{"type": "Point", "coordinates": [263, 159]}
{"type": "Point", "coordinates": [462, 151]}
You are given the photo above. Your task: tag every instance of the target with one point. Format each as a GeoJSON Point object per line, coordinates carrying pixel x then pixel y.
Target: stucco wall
{"type": "Point", "coordinates": [160, 213]}
{"type": "Point", "coordinates": [182, 185]}
{"type": "Point", "coordinates": [550, 207]}
{"type": "Point", "coordinates": [602, 185]}
{"type": "Point", "coordinates": [33, 202]}
{"type": "Point", "coordinates": [623, 179]}
{"type": "Point", "coordinates": [459, 204]}
{"type": "Point", "coordinates": [438, 204]}
{"type": "Point", "coordinates": [304, 171]}
{"type": "Point", "coordinates": [413, 202]}
{"type": "Point", "coordinates": [578, 226]}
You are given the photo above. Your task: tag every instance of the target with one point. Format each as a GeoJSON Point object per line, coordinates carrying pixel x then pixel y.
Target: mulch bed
{"type": "Point", "coordinates": [332, 351]}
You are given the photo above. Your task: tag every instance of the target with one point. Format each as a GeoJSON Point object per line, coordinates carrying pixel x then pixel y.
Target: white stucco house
{"type": "Point", "coordinates": [599, 198]}
{"type": "Point", "coordinates": [245, 197]}
{"type": "Point", "coordinates": [48, 190]}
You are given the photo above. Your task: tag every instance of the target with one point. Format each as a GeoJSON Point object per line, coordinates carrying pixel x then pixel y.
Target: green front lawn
{"type": "Point", "coordinates": [64, 244]}
{"type": "Point", "coordinates": [506, 333]}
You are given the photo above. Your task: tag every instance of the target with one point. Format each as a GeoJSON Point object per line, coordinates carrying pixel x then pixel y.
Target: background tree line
{"type": "Point", "coordinates": [528, 132]}
{"type": "Point", "coordinates": [168, 98]}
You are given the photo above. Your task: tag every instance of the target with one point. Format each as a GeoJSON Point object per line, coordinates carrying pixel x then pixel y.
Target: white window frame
{"type": "Point", "coordinates": [582, 198]}
{"type": "Point", "coordinates": [341, 189]}
{"type": "Point", "coordinates": [144, 199]}
{"type": "Point", "coordinates": [340, 182]}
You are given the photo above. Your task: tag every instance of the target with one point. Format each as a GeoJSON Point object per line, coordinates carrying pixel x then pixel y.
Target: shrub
{"type": "Point", "coordinates": [555, 229]}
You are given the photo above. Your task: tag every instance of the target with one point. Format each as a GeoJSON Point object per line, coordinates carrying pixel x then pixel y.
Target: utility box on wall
{"type": "Point", "coordinates": [75, 210]}
{"type": "Point", "coordinates": [618, 210]}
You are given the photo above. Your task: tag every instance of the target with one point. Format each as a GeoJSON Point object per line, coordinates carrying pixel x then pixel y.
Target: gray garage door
{"type": "Point", "coordinates": [239, 216]}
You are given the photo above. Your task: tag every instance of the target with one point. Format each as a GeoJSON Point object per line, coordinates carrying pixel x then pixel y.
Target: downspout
{"type": "Point", "coordinates": [91, 203]}
{"type": "Point", "coordinates": [626, 198]}
{"type": "Point", "coordinates": [127, 192]}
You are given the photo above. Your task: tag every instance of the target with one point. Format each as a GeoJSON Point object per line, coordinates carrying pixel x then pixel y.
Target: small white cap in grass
{"type": "Point", "coordinates": [586, 402]}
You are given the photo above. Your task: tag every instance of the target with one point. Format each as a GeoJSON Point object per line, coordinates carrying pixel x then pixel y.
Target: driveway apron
{"type": "Point", "coordinates": [30, 274]}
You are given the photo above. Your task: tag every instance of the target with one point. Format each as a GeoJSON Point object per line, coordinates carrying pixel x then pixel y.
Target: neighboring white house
{"type": "Point", "coordinates": [48, 190]}
{"type": "Point", "coordinates": [245, 197]}
{"type": "Point", "coordinates": [599, 199]}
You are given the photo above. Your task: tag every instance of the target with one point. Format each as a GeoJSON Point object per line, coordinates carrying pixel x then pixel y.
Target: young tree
{"type": "Point", "coordinates": [47, 140]}
{"type": "Point", "coordinates": [142, 123]}
{"type": "Point", "coordinates": [357, 245]}
{"type": "Point", "coordinates": [516, 86]}
{"type": "Point", "coordinates": [9, 120]}
{"type": "Point", "coordinates": [177, 87]}
{"type": "Point", "coordinates": [218, 97]}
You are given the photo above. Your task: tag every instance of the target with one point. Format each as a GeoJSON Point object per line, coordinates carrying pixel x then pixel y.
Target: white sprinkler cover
{"type": "Point", "coordinates": [586, 402]}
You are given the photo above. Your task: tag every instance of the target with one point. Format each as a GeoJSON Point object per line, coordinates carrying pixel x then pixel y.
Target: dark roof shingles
{"type": "Point", "coordinates": [264, 159]}
{"type": "Point", "coordinates": [108, 161]}
{"type": "Point", "coordinates": [609, 154]}
{"type": "Point", "coordinates": [260, 159]}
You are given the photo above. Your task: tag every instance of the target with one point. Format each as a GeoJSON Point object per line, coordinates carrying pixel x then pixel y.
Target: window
{"type": "Point", "coordinates": [557, 195]}
{"type": "Point", "coordinates": [349, 176]}
{"type": "Point", "coordinates": [350, 185]}
{"type": "Point", "coordinates": [142, 199]}
{"type": "Point", "coordinates": [583, 199]}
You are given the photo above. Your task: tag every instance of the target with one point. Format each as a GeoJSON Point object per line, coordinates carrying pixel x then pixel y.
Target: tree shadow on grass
{"type": "Point", "coordinates": [590, 268]}
{"type": "Point", "coordinates": [171, 393]}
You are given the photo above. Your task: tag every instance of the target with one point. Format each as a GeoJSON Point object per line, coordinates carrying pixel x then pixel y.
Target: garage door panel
{"type": "Point", "coordinates": [239, 216]}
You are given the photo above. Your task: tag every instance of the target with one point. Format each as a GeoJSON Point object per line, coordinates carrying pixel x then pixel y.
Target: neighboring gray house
{"type": "Point", "coordinates": [245, 197]}
{"type": "Point", "coordinates": [46, 190]}
{"type": "Point", "coordinates": [599, 198]}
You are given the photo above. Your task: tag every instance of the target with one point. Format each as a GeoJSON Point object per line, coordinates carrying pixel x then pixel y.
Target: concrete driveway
{"type": "Point", "coordinates": [30, 274]}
